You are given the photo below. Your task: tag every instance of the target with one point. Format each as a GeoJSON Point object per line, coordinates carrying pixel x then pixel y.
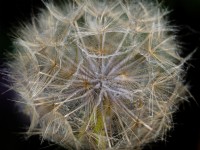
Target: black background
{"type": "Point", "coordinates": [186, 132]}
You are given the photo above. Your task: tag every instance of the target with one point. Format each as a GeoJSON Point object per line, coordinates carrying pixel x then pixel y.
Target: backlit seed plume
{"type": "Point", "coordinates": [99, 74]}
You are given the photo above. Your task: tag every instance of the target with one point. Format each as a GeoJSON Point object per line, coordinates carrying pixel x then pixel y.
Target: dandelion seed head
{"type": "Point", "coordinates": [99, 74]}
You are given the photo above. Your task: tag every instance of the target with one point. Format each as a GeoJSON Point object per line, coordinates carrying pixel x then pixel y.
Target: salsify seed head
{"type": "Point", "coordinates": [99, 74]}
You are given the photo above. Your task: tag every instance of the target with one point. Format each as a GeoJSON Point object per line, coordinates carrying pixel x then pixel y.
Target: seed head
{"type": "Point", "coordinates": [99, 74]}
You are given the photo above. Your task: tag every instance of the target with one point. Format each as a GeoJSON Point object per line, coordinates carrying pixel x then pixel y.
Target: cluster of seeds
{"type": "Point", "coordinates": [99, 74]}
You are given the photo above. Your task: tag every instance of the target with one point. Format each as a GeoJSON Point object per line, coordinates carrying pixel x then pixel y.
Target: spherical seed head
{"type": "Point", "coordinates": [99, 74]}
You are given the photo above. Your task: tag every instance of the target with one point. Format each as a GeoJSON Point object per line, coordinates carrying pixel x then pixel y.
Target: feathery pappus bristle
{"type": "Point", "coordinates": [99, 74]}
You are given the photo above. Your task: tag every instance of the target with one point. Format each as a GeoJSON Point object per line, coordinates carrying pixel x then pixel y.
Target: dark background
{"type": "Point", "coordinates": [186, 132]}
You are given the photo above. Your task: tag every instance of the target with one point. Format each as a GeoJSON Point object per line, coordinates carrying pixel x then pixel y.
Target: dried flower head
{"type": "Point", "coordinates": [99, 74]}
